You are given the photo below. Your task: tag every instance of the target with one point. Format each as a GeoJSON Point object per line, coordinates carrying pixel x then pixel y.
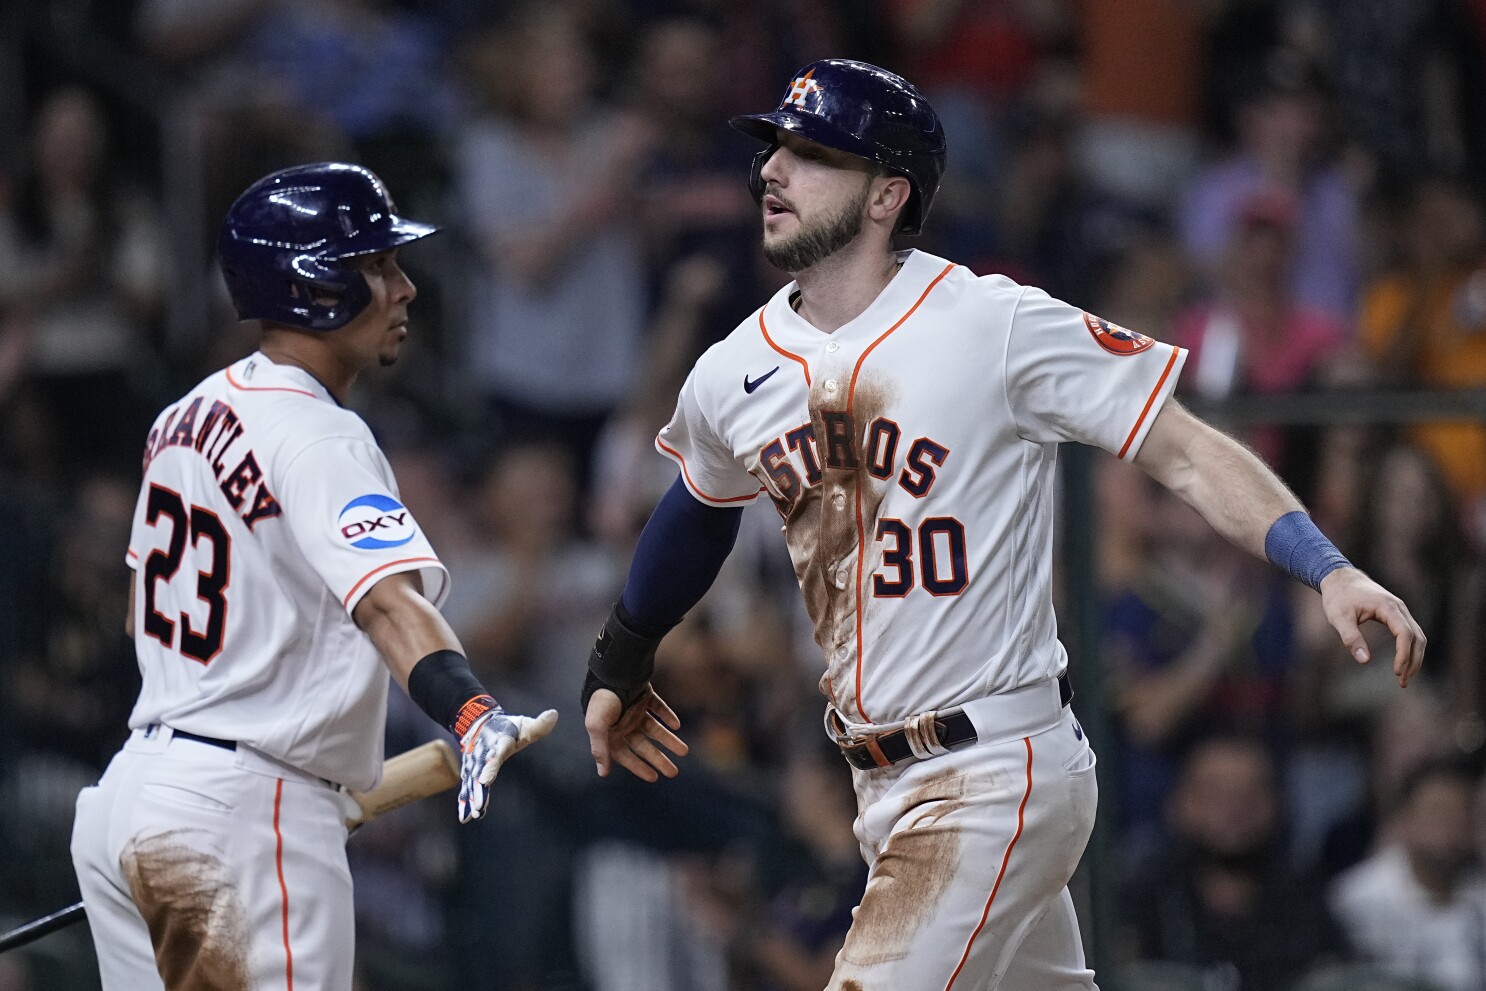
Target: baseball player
{"type": "Point", "coordinates": [273, 566]}
{"type": "Point", "coordinates": [904, 417]}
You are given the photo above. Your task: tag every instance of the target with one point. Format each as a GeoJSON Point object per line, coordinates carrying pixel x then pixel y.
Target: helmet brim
{"type": "Point", "coordinates": [766, 128]}
{"type": "Point", "coordinates": [398, 232]}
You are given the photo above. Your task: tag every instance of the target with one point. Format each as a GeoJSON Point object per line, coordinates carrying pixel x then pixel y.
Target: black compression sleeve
{"type": "Point", "coordinates": [677, 559]}
{"type": "Point", "coordinates": [444, 687]}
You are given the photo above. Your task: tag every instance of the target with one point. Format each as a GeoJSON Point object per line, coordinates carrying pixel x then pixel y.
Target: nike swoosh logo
{"type": "Point", "coordinates": [748, 386]}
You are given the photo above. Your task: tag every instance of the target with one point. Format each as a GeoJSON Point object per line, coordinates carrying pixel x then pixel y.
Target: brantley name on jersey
{"type": "Point", "coordinates": [214, 439]}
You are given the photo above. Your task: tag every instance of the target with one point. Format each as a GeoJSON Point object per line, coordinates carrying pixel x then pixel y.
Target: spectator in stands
{"type": "Point", "coordinates": [1200, 642]}
{"type": "Point", "coordinates": [1141, 134]}
{"type": "Point", "coordinates": [1253, 335]}
{"type": "Point", "coordinates": [72, 677]}
{"type": "Point", "coordinates": [330, 58]}
{"type": "Point", "coordinates": [695, 204]}
{"type": "Point", "coordinates": [405, 864]}
{"type": "Point", "coordinates": [1043, 221]}
{"type": "Point", "coordinates": [661, 891]}
{"type": "Point", "coordinates": [1417, 907]}
{"type": "Point", "coordinates": [629, 476]}
{"type": "Point", "coordinates": [1282, 144]}
{"type": "Point", "coordinates": [812, 882]}
{"type": "Point", "coordinates": [1373, 752]}
{"type": "Point", "coordinates": [73, 681]}
{"type": "Point", "coordinates": [1411, 537]}
{"type": "Point", "coordinates": [82, 278]}
{"type": "Point", "coordinates": [1424, 325]}
{"type": "Point", "coordinates": [977, 62]}
{"type": "Point", "coordinates": [527, 593]}
{"type": "Point", "coordinates": [1219, 897]}
{"type": "Point", "coordinates": [549, 185]}
{"type": "Point", "coordinates": [1409, 87]}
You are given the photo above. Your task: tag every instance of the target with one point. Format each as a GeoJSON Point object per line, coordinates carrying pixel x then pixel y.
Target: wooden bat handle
{"type": "Point", "coordinates": [418, 773]}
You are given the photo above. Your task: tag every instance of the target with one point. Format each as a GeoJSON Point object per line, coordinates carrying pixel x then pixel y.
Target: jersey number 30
{"type": "Point", "coordinates": [162, 564]}
{"type": "Point", "coordinates": [941, 557]}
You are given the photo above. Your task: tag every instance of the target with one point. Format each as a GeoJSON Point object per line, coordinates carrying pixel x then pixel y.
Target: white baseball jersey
{"type": "Point", "coordinates": [911, 454]}
{"type": "Point", "coordinates": [266, 512]}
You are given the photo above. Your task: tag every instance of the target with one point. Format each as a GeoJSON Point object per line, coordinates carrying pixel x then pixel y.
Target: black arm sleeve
{"type": "Point", "coordinates": [678, 557]}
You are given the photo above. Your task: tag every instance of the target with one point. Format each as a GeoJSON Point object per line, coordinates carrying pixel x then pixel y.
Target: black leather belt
{"type": "Point", "coordinates": [954, 731]}
{"type": "Point", "coordinates": [210, 741]}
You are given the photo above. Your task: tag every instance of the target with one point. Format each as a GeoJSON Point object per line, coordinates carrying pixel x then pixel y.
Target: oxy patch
{"type": "Point", "coordinates": [911, 874]}
{"type": "Point", "coordinates": [376, 522]}
{"type": "Point", "coordinates": [188, 901]}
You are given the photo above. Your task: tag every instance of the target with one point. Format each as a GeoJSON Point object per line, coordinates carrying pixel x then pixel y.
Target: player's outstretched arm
{"type": "Point", "coordinates": [677, 559]}
{"type": "Point", "coordinates": [1248, 504]}
{"type": "Point", "coordinates": [425, 657]}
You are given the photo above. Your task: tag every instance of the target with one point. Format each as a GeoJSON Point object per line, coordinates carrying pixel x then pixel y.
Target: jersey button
{"type": "Point", "coordinates": [832, 347]}
{"type": "Point", "coordinates": [830, 387]}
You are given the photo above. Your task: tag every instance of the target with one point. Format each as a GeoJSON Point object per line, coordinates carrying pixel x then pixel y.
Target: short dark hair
{"type": "Point", "coordinates": [1448, 767]}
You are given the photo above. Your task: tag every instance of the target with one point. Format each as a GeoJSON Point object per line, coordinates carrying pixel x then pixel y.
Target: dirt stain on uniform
{"type": "Point", "coordinates": [821, 526]}
{"type": "Point", "coordinates": [196, 923]}
{"type": "Point", "coordinates": [911, 874]}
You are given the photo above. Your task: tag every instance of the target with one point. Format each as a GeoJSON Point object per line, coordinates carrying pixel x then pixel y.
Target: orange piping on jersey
{"type": "Point", "coordinates": [851, 391]}
{"type": "Point", "coordinates": [1170, 364]}
{"type": "Point", "coordinates": [788, 354]}
{"type": "Point", "coordinates": [378, 570]}
{"type": "Point", "coordinates": [278, 797]}
{"type": "Point", "coordinates": [1005, 860]}
{"type": "Point", "coordinates": [266, 388]}
{"type": "Point", "coordinates": [682, 461]}
{"type": "Point", "coordinates": [132, 553]}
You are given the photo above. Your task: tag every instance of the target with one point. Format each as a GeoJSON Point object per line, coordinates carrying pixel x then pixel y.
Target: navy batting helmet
{"type": "Point", "coordinates": [864, 111]}
{"type": "Point", "coordinates": [286, 239]}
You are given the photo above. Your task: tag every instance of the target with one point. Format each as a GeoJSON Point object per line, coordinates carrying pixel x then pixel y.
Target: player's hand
{"type": "Point", "coordinates": [629, 737]}
{"type": "Point", "coordinates": [1350, 598]}
{"type": "Point", "coordinates": [485, 746]}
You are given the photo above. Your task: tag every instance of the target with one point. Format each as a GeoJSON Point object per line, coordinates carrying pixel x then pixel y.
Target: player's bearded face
{"type": "Point", "coordinates": [817, 235]}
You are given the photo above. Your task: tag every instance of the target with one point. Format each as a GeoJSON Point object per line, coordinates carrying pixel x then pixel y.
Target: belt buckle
{"type": "Point", "coordinates": [868, 745]}
{"type": "Point", "coordinates": [853, 746]}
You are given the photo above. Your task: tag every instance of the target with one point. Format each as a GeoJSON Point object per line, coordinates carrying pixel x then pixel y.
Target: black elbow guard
{"type": "Point", "coordinates": [622, 659]}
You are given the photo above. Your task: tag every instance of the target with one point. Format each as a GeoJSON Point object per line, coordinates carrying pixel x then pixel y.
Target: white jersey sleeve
{"type": "Point", "coordinates": [1071, 376]}
{"type": "Point", "coordinates": [341, 502]}
{"type": "Point", "coordinates": [708, 466]}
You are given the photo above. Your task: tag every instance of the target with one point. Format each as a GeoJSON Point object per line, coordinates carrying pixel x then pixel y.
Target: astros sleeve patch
{"type": "Point", "coordinates": [1073, 376]}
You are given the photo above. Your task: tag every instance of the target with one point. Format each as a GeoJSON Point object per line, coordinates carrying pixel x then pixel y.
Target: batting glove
{"type": "Point", "coordinates": [486, 745]}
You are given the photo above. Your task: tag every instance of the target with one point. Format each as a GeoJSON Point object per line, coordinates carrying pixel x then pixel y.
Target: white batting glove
{"type": "Point", "coordinates": [486, 745]}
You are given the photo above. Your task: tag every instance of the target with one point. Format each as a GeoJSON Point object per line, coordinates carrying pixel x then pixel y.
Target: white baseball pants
{"type": "Point", "coordinates": [203, 867]}
{"type": "Point", "coordinates": [970, 855]}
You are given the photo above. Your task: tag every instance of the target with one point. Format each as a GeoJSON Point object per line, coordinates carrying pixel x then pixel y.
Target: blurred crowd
{"type": "Point", "coordinates": [1292, 189]}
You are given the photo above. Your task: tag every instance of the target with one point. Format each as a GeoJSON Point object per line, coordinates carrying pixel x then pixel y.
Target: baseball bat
{"type": "Point", "coordinates": [413, 774]}
{"type": "Point", "coordinates": [421, 772]}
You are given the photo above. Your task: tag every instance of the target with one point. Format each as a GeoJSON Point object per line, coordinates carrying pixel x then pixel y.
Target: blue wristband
{"type": "Point", "coordinates": [1295, 544]}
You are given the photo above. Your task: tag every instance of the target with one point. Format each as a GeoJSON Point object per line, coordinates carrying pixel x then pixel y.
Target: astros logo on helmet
{"type": "Point", "coordinates": [802, 87]}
